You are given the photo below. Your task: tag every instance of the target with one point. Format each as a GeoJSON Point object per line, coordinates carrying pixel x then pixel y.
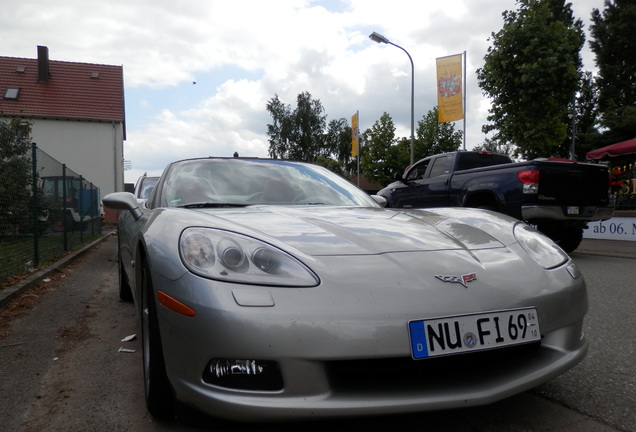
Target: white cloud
{"type": "Point", "coordinates": [241, 53]}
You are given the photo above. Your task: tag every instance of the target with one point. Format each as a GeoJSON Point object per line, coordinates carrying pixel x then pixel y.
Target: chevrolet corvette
{"type": "Point", "coordinates": [277, 290]}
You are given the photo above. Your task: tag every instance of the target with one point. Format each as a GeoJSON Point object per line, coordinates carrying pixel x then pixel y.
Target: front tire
{"type": "Point", "coordinates": [158, 392]}
{"type": "Point", "coordinates": [125, 292]}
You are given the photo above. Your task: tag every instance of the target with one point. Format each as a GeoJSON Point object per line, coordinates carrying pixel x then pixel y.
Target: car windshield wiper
{"type": "Point", "coordinates": [212, 205]}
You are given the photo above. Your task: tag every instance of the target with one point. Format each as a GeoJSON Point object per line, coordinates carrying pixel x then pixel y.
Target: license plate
{"type": "Point", "coordinates": [474, 332]}
{"type": "Point", "coordinates": [573, 210]}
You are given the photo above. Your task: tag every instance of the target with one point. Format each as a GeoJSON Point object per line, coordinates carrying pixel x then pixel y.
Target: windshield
{"type": "Point", "coordinates": [223, 182]}
{"type": "Point", "coordinates": [145, 187]}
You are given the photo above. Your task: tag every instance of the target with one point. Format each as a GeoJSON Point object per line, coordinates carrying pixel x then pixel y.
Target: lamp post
{"type": "Point", "coordinates": [376, 37]}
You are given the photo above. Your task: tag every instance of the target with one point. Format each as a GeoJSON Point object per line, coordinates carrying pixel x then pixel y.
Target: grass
{"type": "Point", "coordinates": [17, 252]}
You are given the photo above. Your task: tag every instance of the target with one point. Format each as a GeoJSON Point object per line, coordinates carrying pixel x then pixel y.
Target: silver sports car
{"type": "Point", "coordinates": [272, 290]}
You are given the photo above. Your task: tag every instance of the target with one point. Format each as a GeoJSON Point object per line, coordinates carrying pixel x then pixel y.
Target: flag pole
{"type": "Point", "coordinates": [355, 144]}
{"type": "Point", "coordinates": [464, 100]}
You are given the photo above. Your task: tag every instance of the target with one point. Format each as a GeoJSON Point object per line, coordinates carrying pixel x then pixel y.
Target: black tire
{"type": "Point", "coordinates": [125, 292]}
{"type": "Point", "coordinates": [158, 392]}
{"type": "Point", "coordinates": [567, 237]}
{"type": "Point", "coordinates": [570, 239]}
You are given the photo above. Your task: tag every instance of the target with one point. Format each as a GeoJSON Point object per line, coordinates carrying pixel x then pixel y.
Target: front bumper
{"type": "Point", "coordinates": [343, 347]}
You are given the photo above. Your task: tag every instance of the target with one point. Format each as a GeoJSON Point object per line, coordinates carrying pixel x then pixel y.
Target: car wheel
{"type": "Point", "coordinates": [125, 293]}
{"type": "Point", "coordinates": [159, 396]}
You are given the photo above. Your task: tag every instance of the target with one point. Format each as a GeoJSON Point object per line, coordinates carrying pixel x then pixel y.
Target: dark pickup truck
{"type": "Point", "coordinates": [559, 197]}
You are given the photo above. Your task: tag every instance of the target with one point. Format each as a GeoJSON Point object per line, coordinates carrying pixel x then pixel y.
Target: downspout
{"type": "Point", "coordinates": [116, 163]}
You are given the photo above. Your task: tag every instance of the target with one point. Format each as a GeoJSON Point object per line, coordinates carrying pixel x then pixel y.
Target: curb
{"type": "Point", "coordinates": [10, 292]}
{"type": "Point", "coordinates": [607, 248]}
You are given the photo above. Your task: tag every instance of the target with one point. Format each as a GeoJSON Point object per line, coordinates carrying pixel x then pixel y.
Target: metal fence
{"type": "Point", "coordinates": [46, 210]}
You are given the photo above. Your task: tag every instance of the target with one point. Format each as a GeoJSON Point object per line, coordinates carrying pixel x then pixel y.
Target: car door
{"type": "Point", "coordinates": [433, 188]}
{"type": "Point", "coordinates": [407, 194]}
{"type": "Point", "coordinates": [425, 184]}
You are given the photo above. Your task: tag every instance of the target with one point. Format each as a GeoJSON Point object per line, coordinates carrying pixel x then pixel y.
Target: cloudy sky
{"type": "Point", "coordinates": [198, 73]}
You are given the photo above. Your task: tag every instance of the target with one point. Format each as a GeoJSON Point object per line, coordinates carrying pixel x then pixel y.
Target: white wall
{"type": "Point", "coordinates": [91, 149]}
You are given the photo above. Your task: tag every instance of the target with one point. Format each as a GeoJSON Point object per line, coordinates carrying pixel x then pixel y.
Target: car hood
{"type": "Point", "coordinates": [322, 231]}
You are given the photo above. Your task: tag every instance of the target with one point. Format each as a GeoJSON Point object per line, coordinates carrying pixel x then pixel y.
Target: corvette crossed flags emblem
{"type": "Point", "coordinates": [463, 279]}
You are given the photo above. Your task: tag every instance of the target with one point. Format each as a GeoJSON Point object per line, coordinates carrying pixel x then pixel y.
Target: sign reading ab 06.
{"type": "Point", "coordinates": [616, 228]}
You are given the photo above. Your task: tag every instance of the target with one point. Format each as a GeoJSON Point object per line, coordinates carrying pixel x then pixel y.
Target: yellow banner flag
{"type": "Point", "coordinates": [354, 135]}
{"type": "Point", "coordinates": [449, 89]}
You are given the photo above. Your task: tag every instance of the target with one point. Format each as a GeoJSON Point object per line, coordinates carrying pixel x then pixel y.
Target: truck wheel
{"type": "Point", "coordinates": [568, 238]}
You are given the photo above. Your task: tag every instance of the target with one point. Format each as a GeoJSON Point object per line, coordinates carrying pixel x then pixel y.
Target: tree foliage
{"type": "Point", "coordinates": [303, 134]}
{"type": "Point", "coordinates": [15, 174]}
{"type": "Point", "coordinates": [531, 73]}
{"type": "Point", "coordinates": [382, 154]}
{"type": "Point", "coordinates": [434, 138]}
{"type": "Point", "coordinates": [337, 148]}
{"type": "Point", "coordinates": [491, 145]}
{"type": "Point", "coordinates": [586, 132]}
{"type": "Point", "coordinates": [614, 45]}
{"type": "Point", "coordinates": [296, 134]}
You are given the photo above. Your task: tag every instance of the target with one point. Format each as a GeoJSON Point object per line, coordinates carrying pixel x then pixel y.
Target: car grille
{"type": "Point", "coordinates": [406, 372]}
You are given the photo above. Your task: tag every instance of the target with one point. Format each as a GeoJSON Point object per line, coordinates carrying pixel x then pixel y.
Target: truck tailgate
{"type": "Point", "coordinates": [580, 184]}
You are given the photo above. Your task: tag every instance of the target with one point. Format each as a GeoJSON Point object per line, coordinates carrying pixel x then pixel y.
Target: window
{"type": "Point", "coordinates": [12, 93]}
{"type": "Point", "coordinates": [417, 172]}
{"type": "Point", "coordinates": [441, 166]}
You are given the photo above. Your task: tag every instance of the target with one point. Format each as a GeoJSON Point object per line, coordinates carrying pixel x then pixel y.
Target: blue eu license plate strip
{"type": "Point", "coordinates": [473, 332]}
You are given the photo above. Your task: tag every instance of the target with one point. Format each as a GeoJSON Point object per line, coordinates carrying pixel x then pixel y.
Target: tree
{"type": "Point", "coordinates": [531, 72]}
{"type": "Point", "coordinates": [337, 148]}
{"type": "Point", "coordinates": [15, 174]}
{"type": "Point", "coordinates": [587, 117]}
{"type": "Point", "coordinates": [613, 43]}
{"type": "Point", "coordinates": [281, 130]}
{"type": "Point", "coordinates": [382, 155]}
{"type": "Point", "coordinates": [297, 134]}
{"type": "Point", "coordinates": [434, 138]}
{"type": "Point", "coordinates": [490, 145]}
{"type": "Point", "coordinates": [303, 134]}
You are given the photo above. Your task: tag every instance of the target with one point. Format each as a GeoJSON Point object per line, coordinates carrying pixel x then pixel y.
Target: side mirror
{"type": "Point", "coordinates": [123, 201]}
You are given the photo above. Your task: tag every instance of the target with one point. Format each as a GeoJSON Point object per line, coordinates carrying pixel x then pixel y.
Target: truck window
{"type": "Point", "coordinates": [441, 165]}
{"type": "Point", "coordinates": [478, 160]}
{"type": "Point", "coordinates": [417, 171]}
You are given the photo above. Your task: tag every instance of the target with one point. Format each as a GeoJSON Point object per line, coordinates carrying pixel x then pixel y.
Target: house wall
{"type": "Point", "coordinates": [93, 150]}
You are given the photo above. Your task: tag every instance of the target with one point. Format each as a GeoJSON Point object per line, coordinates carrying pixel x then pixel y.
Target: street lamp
{"type": "Point", "coordinates": [376, 37]}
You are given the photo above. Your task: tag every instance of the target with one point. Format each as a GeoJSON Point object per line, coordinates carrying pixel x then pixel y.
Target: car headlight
{"type": "Point", "coordinates": [232, 257]}
{"type": "Point", "coordinates": [543, 250]}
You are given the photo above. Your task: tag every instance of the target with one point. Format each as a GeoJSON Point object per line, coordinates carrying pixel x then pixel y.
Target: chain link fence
{"type": "Point", "coordinates": [46, 211]}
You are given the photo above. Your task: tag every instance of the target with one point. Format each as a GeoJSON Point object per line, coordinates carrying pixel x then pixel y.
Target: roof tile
{"type": "Point", "coordinates": [75, 91]}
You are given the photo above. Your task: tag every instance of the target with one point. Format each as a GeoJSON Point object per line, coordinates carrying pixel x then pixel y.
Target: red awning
{"type": "Point", "coordinates": [618, 149]}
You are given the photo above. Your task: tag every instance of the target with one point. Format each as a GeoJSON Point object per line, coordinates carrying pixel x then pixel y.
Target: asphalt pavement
{"type": "Point", "coordinates": [611, 248]}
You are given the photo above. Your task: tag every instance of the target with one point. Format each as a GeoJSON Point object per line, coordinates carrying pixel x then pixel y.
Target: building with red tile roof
{"type": "Point", "coordinates": [76, 111]}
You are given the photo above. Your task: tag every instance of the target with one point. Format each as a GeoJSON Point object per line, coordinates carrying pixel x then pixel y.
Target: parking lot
{"type": "Point", "coordinates": [65, 367]}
